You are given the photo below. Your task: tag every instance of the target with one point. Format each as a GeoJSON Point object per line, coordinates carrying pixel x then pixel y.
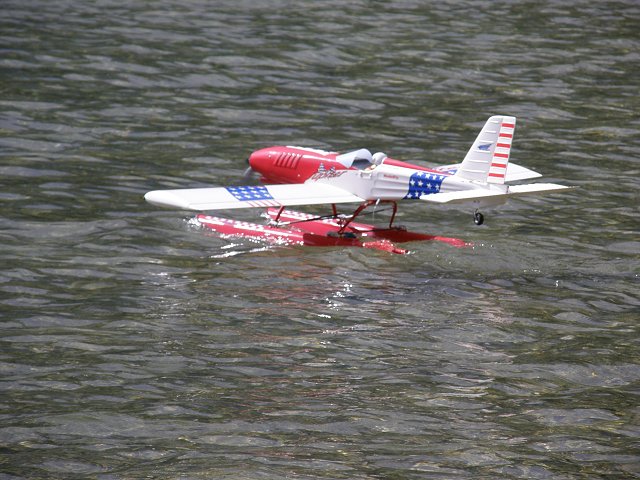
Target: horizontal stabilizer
{"type": "Point", "coordinates": [481, 194]}
{"type": "Point", "coordinates": [222, 198]}
{"type": "Point", "coordinates": [514, 172]}
{"type": "Point", "coordinates": [536, 188]}
{"type": "Point", "coordinates": [462, 196]}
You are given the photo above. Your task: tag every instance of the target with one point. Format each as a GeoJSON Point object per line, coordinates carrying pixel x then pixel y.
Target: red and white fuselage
{"type": "Point", "coordinates": [284, 164]}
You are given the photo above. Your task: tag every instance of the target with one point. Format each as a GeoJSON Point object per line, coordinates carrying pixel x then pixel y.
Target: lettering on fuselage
{"type": "Point", "coordinates": [331, 173]}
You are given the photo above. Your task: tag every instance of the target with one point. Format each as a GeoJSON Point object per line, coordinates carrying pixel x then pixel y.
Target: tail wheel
{"type": "Point", "coordinates": [478, 218]}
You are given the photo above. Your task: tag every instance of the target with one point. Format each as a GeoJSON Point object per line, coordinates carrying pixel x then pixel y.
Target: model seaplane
{"type": "Point", "coordinates": [295, 176]}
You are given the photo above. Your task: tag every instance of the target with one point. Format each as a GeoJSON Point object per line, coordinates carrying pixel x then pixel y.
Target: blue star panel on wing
{"type": "Point", "coordinates": [423, 183]}
{"type": "Point", "coordinates": [250, 193]}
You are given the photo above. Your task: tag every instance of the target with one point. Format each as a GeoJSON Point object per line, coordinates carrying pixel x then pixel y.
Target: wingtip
{"type": "Point", "coordinates": [165, 198]}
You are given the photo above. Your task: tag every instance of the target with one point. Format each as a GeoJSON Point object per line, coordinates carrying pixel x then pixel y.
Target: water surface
{"type": "Point", "coordinates": [135, 346]}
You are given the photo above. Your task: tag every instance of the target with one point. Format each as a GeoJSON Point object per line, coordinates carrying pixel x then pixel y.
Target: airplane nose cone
{"type": "Point", "coordinates": [260, 160]}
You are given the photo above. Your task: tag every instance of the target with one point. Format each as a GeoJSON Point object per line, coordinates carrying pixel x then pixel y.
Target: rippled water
{"type": "Point", "coordinates": [136, 347]}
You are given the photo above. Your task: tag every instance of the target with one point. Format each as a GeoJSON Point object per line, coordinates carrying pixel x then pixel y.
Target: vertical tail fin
{"type": "Point", "coordinates": [487, 159]}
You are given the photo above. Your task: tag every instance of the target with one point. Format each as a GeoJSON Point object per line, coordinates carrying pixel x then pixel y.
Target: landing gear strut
{"type": "Point", "coordinates": [478, 218]}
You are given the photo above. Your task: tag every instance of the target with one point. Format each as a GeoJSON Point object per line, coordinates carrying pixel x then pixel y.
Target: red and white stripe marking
{"type": "Point", "coordinates": [264, 203]}
{"type": "Point", "coordinates": [500, 159]}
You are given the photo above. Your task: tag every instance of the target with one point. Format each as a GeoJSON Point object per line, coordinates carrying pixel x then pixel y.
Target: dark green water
{"type": "Point", "coordinates": [136, 347]}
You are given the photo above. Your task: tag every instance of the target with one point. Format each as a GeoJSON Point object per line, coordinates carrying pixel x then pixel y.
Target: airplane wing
{"type": "Point", "coordinates": [222, 198]}
{"type": "Point", "coordinates": [480, 194]}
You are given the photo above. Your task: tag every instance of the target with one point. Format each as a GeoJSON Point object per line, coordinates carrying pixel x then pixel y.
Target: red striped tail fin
{"type": "Point", "coordinates": [488, 157]}
{"type": "Point", "coordinates": [502, 150]}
